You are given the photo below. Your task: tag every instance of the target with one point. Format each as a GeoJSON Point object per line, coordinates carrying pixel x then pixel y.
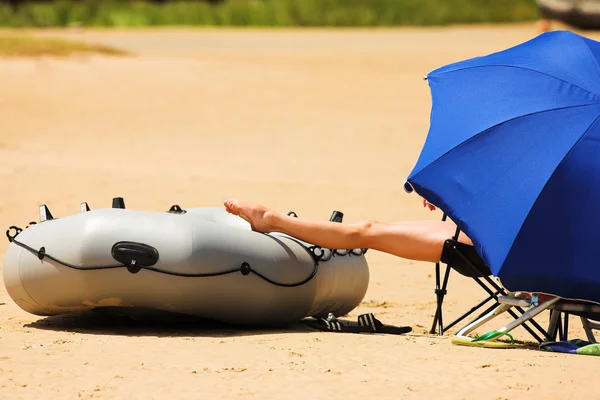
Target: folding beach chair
{"type": "Point", "coordinates": [588, 312]}
{"type": "Point", "coordinates": [464, 259]}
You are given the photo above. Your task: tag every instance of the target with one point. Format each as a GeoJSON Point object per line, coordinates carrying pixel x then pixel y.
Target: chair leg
{"type": "Point", "coordinates": [565, 330]}
{"type": "Point", "coordinates": [444, 292]}
{"type": "Point", "coordinates": [493, 294]}
{"type": "Point", "coordinates": [501, 291]}
{"type": "Point", "coordinates": [499, 309]}
{"type": "Point", "coordinates": [588, 326]}
{"type": "Point", "coordinates": [532, 322]}
{"type": "Point", "coordinates": [527, 315]}
{"type": "Point", "coordinates": [555, 326]}
{"type": "Point", "coordinates": [530, 313]}
{"type": "Point", "coordinates": [439, 299]}
{"type": "Point", "coordinates": [440, 291]}
{"type": "Point", "coordinates": [472, 310]}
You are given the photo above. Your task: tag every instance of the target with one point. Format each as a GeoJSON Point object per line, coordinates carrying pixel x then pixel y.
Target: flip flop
{"type": "Point", "coordinates": [487, 344]}
{"type": "Point", "coordinates": [367, 323]}
{"type": "Point", "coordinates": [486, 341]}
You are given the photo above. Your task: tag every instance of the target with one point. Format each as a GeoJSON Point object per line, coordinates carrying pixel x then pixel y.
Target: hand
{"type": "Point", "coordinates": [428, 204]}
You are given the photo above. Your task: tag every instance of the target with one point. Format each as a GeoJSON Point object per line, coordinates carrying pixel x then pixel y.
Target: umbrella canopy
{"type": "Point", "coordinates": [513, 157]}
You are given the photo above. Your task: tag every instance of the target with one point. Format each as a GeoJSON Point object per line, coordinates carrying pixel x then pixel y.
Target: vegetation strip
{"type": "Point", "coordinates": [264, 13]}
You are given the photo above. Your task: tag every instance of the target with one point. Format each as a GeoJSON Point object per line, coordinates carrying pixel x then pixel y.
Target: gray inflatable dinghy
{"type": "Point", "coordinates": [203, 262]}
{"type": "Point", "coordinates": [583, 14]}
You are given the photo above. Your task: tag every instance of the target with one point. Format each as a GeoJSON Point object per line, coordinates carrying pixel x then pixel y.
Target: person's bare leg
{"type": "Point", "coordinates": [419, 240]}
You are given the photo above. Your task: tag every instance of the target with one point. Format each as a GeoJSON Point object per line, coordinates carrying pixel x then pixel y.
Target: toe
{"type": "Point", "coordinates": [229, 205]}
{"type": "Point", "coordinates": [234, 207]}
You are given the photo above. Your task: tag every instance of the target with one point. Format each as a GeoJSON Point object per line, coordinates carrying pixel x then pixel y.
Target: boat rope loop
{"type": "Point", "coordinates": [317, 253]}
{"type": "Point", "coordinates": [17, 231]}
{"type": "Point", "coordinates": [12, 237]}
{"type": "Point", "coordinates": [320, 254]}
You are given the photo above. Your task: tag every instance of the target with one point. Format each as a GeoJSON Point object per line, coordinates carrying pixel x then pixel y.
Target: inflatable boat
{"type": "Point", "coordinates": [583, 14]}
{"type": "Point", "coordinates": [203, 262]}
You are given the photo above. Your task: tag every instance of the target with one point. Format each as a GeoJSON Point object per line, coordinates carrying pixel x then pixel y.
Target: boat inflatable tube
{"type": "Point", "coordinates": [203, 262]}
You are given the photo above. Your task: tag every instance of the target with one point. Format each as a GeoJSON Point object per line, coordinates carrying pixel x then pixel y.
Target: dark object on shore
{"type": "Point", "coordinates": [14, 4]}
{"type": "Point", "coordinates": [583, 14]}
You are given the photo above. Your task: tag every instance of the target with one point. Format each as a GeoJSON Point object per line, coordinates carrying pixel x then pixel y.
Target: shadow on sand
{"type": "Point", "coordinates": [118, 321]}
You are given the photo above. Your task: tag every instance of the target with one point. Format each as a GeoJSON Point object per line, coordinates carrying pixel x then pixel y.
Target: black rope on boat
{"type": "Point", "coordinates": [317, 253]}
{"type": "Point", "coordinates": [245, 268]}
{"type": "Point", "coordinates": [41, 254]}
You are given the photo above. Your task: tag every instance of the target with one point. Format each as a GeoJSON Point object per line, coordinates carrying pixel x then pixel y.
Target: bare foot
{"type": "Point", "coordinates": [258, 216]}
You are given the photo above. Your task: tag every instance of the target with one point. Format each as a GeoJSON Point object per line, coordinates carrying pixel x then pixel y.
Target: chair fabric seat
{"type": "Point", "coordinates": [449, 257]}
{"type": "Point", "coordinates": [583, 309]}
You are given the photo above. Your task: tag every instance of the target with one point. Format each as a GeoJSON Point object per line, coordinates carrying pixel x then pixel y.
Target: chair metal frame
{"type": "Point", "coordinates": [557, 307]}
{"type": "Point", "coordinates": [484, 280]}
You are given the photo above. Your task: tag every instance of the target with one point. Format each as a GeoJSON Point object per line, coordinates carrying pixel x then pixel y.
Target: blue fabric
{"type": "Point", "coordinates": [513, 157]}
{"type": "Point", "coordinates": [573, 346]}
{"type": "Point", "coordinates": [567, 346]}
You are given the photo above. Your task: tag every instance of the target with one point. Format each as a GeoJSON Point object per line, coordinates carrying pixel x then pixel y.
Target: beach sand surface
{"type": "Point", "coordinates": [305, 120]}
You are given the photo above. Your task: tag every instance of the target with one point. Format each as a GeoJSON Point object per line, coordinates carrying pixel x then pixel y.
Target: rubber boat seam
{"type": "Point", "coordinates": [24, 287]}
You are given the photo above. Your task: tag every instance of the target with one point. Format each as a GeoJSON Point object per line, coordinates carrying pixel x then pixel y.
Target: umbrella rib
{"type": "Point", "coordinates": [546, 184]}
{"type": "Point", "coordinates": [591, 54]}
{"type": "Point", "coordinates": [497, 125]}
{"type": "Point", "coordinates": [523, 68]}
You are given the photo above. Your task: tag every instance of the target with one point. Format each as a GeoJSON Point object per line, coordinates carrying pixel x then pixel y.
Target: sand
{"type": "Point", "coordinates": [309, 121]}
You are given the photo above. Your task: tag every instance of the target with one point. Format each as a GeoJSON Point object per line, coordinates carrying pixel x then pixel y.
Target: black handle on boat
{"type": "Point", "coordinates": [118, 202]}
{"type": "Point", "coordinates": [134, 255]}
{"type": "Point", "coordinates": [336, 216]}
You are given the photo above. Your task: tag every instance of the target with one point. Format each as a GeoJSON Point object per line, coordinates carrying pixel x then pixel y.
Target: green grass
{"type": "Point", "coordinates": [113, 13]}
{"type": "Point", "coordinates": [22, 46]}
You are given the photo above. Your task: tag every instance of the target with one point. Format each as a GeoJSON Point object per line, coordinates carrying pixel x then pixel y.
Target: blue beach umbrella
{"type": "Point", "coordinates": [513, 157]}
